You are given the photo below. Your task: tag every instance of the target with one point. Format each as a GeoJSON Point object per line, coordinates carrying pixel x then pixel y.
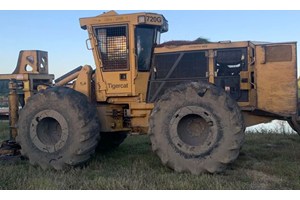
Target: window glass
{"type": "Point", "coordinates": [145, 37]}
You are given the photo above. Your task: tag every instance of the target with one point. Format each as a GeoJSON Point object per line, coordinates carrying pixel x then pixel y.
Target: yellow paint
{"type": "Point", "coordinates": [83, 82]}
{"type": "Point", "coordinates": [121, 94]}
{"type": "Point", "coordinates": [109, 83]}
{"type": "Point", "coordinates": [276, 82]}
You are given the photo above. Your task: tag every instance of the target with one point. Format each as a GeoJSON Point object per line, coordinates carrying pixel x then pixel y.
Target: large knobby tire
{"type": "Point", "coordinates": [110, 141]}
{"type": "Point", "coordinates": [58, 128]}
{"type": "Point", "coordinates": [196, 128]}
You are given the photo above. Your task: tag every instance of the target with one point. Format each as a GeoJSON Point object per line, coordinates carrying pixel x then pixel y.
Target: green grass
{"type": "Point", "coordinates": [267, 161]}
{"type": "Point", "coordinates": [3, 131]}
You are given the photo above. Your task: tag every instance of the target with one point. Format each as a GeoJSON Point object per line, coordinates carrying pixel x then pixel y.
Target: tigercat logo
{"type": "Point", "coordinates": [115, 86]}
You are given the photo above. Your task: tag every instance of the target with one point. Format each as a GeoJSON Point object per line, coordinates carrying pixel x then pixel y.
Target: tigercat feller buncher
{"type": "Point", "coordinates": [194, 100]}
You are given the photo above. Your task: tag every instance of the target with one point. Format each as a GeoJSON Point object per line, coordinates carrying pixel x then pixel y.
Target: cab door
{"type": "Point", "coordinates": [113, 51]}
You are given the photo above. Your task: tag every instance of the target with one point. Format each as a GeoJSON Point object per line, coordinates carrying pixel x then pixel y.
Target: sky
{"type": "Point", "coordinates": [59, 32]}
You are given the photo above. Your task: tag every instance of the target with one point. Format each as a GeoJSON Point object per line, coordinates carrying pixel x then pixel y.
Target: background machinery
{"type": "Point", "coordinates": [194, 100]}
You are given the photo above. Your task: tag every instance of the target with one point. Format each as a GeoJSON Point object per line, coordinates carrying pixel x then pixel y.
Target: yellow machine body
{"type": "Point", "coordinates": [193, 99]}
{"type": "Point", "coordinates": [270, 77]}
{"type": "Point", "coordinates": [121, 84]}
{"type": "Point", "coordinates": [122, 91]}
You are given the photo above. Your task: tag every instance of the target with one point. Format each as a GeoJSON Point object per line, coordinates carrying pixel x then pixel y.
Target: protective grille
{"type": "Point", "coordinates": [176, 68]}
{"type": "Point", "coordinates": [164, 63]}
{"type": "Point", "coordinates": [112, 45]}
{"type": "Point", "coordinates": [190, 65]}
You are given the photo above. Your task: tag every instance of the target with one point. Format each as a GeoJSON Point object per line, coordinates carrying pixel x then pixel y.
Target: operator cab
{"type": "Point", "coordinates": [123, 46]}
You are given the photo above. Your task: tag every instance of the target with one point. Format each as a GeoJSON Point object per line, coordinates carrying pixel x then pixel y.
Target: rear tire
{"type": "Point", "coordinates": [58, 128]}
{"type": "Point", "coordinates": [196, 127]}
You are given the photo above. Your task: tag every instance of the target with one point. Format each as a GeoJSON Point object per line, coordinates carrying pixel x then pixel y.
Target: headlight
{"type": "Point", "coordinates": [141, 19]}
{"type": "Point", "coordinates": [165, 26]}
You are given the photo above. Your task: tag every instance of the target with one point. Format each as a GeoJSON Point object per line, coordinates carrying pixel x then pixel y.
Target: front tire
{"type": "Point", "coordinates": [196, 127]}
{"type": "Point", "coordinates": [58, 128]}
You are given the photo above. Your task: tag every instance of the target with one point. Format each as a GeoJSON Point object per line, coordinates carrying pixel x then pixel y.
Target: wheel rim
{"type": "Point", "coordinates": [49, 131]}
{"type": "Point", "coordinates": [193, 130]}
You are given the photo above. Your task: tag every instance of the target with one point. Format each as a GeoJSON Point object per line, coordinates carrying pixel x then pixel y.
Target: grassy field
{"type": "Point", "coordinates": [267, 161]}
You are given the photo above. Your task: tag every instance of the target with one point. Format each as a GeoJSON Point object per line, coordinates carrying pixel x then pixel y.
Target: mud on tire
{"type": "Point", "coordinates": [58, 128]}
{"type": "Point", "coordinates": [196, 127]}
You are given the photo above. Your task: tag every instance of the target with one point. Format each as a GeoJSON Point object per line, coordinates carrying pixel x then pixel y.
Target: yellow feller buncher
{"type": "Point", "coordinates": [193, 99]}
